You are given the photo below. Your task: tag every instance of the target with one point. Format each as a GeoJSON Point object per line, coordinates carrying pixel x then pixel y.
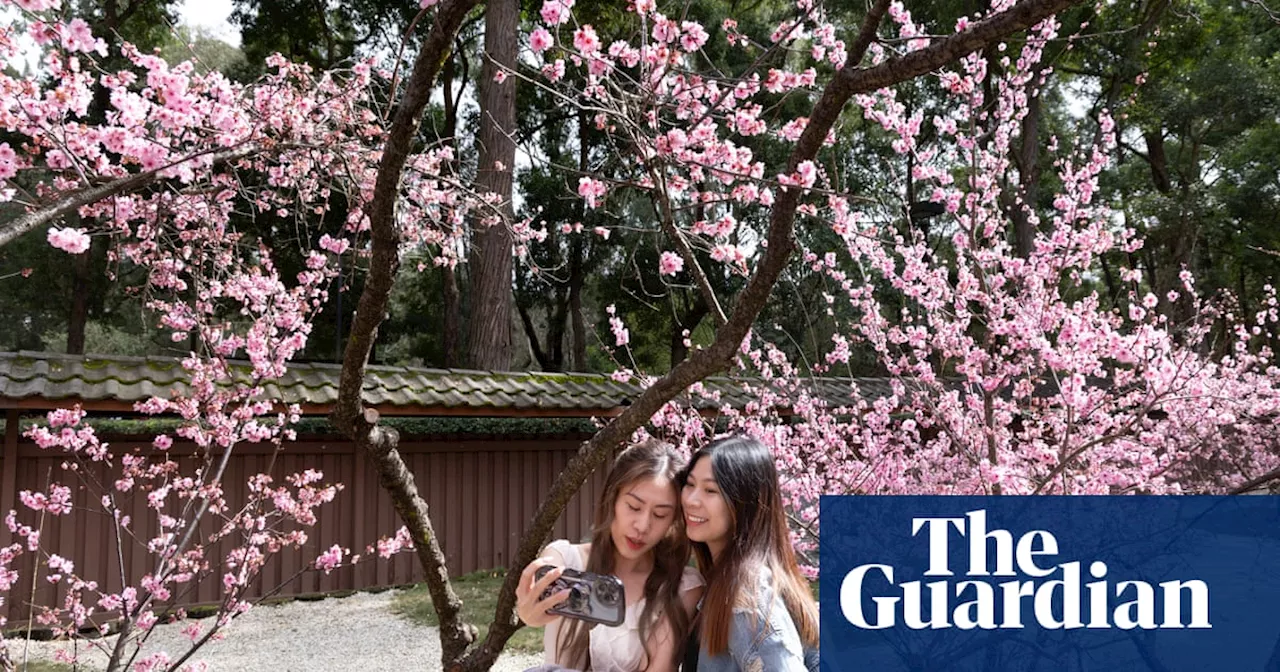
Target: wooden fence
{"type": "Point", "coordinates": [481, 494]}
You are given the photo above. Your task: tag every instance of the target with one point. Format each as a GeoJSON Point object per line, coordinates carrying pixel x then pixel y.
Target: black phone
{"type": "Point", "coordinates": [596, 598]}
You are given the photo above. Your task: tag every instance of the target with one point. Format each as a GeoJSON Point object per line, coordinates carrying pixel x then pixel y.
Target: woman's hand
{"type": "Point", "coordinates": [531, 609]}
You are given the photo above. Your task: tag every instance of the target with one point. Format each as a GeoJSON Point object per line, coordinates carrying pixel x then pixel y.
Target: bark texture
{"type": "Point", "coordinates": [489, 345]}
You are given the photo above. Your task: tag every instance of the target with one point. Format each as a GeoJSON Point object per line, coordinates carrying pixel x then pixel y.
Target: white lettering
{"type": "Point", "coordinates": [851, 599]}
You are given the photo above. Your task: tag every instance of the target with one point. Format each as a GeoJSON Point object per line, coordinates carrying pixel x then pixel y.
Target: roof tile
{"type": "Point", "coordinates": [129, 379]}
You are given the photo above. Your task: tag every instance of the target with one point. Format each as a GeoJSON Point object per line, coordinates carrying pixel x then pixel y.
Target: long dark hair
{"type": "Point", "coordinates": [758, 538]}
{"type": "Point", "coordinates": [645, 460]}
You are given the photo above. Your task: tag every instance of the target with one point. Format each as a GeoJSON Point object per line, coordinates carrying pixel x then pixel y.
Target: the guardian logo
{"type": "Point", "coordinates": [1054, 602]}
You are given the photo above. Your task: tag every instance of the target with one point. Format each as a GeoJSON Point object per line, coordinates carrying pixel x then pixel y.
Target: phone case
{"type": "Point", "coordinates": [596, 598]}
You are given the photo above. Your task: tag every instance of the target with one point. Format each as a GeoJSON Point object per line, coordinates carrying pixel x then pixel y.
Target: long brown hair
{"type": "Point", "coordinates": [758, 538]}
{"type": "Point", "coordinates": [645, 460]}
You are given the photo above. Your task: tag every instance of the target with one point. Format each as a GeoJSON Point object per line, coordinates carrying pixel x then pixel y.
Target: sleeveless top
{"type": "Point", "coordinates": [613, 649]}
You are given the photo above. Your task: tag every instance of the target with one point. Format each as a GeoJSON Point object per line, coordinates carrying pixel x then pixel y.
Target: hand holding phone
{"type": "Point", "coordinates": [596, 598]}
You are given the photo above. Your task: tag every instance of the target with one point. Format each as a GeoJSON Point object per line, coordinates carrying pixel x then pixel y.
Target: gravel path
{"type": "Point", "coordinates": [352, 633]}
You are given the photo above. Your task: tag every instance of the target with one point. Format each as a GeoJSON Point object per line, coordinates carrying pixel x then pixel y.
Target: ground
{"type": "Point", "coordinates": [369, 631]}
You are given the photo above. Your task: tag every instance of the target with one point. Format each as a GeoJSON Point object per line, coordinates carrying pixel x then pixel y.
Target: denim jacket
{"type": "Point", "coordinates": [760, 645]}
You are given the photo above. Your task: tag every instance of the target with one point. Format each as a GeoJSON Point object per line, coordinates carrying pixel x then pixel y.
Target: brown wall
{"type": "Point", "coordinates": [481, 494]}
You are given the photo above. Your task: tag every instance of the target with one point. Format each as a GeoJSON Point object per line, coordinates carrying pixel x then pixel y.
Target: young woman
{"type": "Point", "coordinates": [757, 614]}
{"type": "Point", "coordinates": [638, 537]}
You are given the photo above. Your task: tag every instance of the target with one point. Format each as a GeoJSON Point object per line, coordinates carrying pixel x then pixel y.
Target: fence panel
{"type": "Point", "coordinates": [481, 495]}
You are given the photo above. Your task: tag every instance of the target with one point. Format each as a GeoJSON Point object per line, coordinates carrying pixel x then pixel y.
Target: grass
{"type": "Point", "coordinates": [45, 666]}
{"type": "Point", "coordinates": [479, 593]}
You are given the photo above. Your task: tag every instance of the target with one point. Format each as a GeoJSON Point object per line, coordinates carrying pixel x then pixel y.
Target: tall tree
{"type": "Point", "coordinates": [489, 345]}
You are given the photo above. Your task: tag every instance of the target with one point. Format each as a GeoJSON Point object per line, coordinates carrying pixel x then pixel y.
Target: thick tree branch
{"type": "Point", "coordinates": [68, 203]}
{"type": "Point", "coordinates": [380, 443]}
{"type": "Point", "coordinates": [947, 49]}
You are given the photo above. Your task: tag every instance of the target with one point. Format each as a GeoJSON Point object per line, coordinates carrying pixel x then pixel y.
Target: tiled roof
{"type": "Point", "coordinates": [38, 376]}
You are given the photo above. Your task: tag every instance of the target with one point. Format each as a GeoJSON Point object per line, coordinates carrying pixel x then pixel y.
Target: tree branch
{"type": "Point", "coordinates": [668, 223]}
{"type": "Point", "coordinates": [380, 443]}
{"type": "Point", "coordinates": [947, 49]}
{"type": "Point", "coordinates": [77, 199]}
{"type": "Point", "coordinates": [1255, 483]}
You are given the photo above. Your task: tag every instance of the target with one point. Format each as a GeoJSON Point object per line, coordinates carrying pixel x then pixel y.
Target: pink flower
{"type": "Point", "coordinates": [77, 36]}
{"type": "Point", "coordinates": [334, 245]}
{"type": "Point", "coordinates": [540, 40]}
{"type": "Point", "coordinates": [670, 263]}
{"type": "Point", "coordinates": [330, 559]}
{"type": "Point", "coordinates": [807, 172]}
{"type": "Point", "coordinates": [38, 5]}
{"type": "Point", "coordinates": [500, 76]}
{"type": "Point", "coordinates": [664, 29]}
{"type": "Point", "coordinates": [554, 71]}
{"type": "Point", "coordinates": [8, 161]}
{"type": "Point", "coordinates": [585, 40]}
{"type": "Point", "coordinates": [555, 12]}
{"type": "Point", "coordinates": [693, 36]}
{"type": "Point", "coordinates": [72, 241]}
{"type": "Point", "coordinates": [592, 191]}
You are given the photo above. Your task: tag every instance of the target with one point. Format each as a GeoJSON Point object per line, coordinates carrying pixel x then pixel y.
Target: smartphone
{"type": "Point", "coordinates": [596, 598]}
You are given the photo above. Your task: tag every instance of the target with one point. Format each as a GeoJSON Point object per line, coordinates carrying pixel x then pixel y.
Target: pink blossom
{"type": "Point", "coordinates": [540, 40]}
{"type": "Point", "coordinates": [592, 191]}
{"type": "Point", "coordinates": [621, 336]}
{"type": "Point", "coordinates": [692, 36]}
{"type": "Point", "coordinates": [670, 263]}
{"type": "Point", "coordinates": [38, 5]}
{"type": "Point", "coordinates": [334, 245]}
{"type": "Point", "coordinates": [72, 241]}
{"type": "Point", "coordinates": [8, 161]}
{"type": "Point", "coordinates": [330, 559]}
{"type": "Point", "coordinates": [77, 36]}
{"type": "Point", "coordinates": [665, 30]}
{"type": "Point", "coordinates": [555, 12]}
{"type": "Point", "coordinates": [585, 40]}
{"type": "Point", "coordinates": [554, 71]}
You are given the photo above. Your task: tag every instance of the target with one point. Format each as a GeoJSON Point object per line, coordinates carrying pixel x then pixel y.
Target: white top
{"type": "Point", "coordinates": [613, 649]}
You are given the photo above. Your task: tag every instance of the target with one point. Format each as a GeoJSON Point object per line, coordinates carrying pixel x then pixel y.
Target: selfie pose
{"type": "Point", "coordinates": [637, 545]}
{"type": "Point", "coordinates": [757, 614]}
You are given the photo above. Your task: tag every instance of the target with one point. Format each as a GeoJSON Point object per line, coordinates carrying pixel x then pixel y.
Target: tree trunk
{"type": "Point", "coordinates": [489, 338]}
{"type": "Point", "coordinates": [577, 322]}
{"type": "Point", "coordinates": [1028, 160]}
{"type": "Point", "coordinates": [379, 443]}
{"type": "Point", "coordinates": [78, 316]}
{"type": "Point", "coordinates": [1159, 162]}
{"type": "Point", "coordinates": [577, 260]}
{"type": "Point", "coordinates": [448, 275]}
{"type": "Point", "coordinates": [452, 317]}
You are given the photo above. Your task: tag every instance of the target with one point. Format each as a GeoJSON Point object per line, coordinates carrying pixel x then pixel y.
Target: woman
{"type": "Point", "coordinates": [758, 613]}
{"type": "Point", "coordinates": [636, 537]}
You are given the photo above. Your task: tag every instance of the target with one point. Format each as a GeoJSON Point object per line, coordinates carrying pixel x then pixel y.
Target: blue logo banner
{"type": "Point", "coordinates": [1061, 584]}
